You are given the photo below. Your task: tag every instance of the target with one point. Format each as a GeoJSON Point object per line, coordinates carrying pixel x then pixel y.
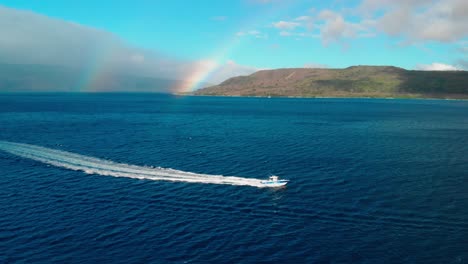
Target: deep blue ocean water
{"type": "Point", "coordinates": [372, 180]}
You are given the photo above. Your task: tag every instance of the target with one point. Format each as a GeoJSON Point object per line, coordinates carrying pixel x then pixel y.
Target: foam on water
{"type": "Point", "coordinates": [90, 165]}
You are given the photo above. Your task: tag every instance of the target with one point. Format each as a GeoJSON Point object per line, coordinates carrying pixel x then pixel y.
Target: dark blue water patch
{"type": "Point", "coordinates": [372, 181]}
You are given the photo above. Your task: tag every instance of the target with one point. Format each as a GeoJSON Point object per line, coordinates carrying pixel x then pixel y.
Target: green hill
{"type": "Point", "coordinates": [355, 81]}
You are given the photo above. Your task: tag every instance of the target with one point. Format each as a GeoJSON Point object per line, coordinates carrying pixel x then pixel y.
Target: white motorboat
{"type": "Point", "coordinates": [274, 181]}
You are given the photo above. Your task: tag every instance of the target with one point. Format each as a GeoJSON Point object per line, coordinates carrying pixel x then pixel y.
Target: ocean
{"type": "Point", "coordinates": [151, 178]}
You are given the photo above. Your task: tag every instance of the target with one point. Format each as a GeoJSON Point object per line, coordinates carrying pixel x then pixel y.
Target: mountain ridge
{"type": "Point", "coordinates": [353, 81]}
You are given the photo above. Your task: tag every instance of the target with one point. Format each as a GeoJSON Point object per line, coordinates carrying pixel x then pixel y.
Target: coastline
{"type": "Point", "coordinates": [413, 97]}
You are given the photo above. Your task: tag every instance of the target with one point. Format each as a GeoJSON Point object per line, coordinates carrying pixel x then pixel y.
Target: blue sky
{"type": "Point", "coordinates": [259, 34]}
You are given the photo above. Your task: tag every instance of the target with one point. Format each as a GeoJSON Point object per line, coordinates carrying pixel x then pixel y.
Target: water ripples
{"type": "Point", "coordinates": [371, 182]}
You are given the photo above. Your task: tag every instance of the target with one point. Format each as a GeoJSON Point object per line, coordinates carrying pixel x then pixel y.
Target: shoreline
{"type": "Point", "coordinates": [327, 97]}
{"type": "Point", "coordinates": [414, 97]}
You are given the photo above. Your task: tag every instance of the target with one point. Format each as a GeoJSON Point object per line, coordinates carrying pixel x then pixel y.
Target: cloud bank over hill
{"type": "Point", "coordinates": [30, 38]}
{"type": "Point", "coordinates": [436, 67]}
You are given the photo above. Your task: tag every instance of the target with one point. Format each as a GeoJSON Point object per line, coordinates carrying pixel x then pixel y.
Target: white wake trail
{"type": "Point", "coordinates": [92, 165]}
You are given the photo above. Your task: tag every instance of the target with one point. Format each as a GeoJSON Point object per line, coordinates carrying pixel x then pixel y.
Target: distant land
{"type": "Point", "coordinates": [56, 78]}
{"type": "Point", "coordinates": [355, 81]}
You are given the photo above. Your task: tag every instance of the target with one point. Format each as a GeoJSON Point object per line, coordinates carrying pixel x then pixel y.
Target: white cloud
{"type": "Point", "coordinates": [331, 26]}
{"type": "Point", "coordinates": [335, 28]}
{"type": "Point", "coordinates": [436, 66]}
{"type": "Point", "coordinates": [295, 28]}
{"type": "Point", "coordinates": [254, 33]}
{"type": "Point", "coordinates": [371, 6]}
{"type": "Point", "coordinates": [30, 38]}
{"type": "Point", "coordinates": [412, 21]}
{"type": "Point", "coordinates": [408, 22]}
{"type": "Point", "coordinates": [303, 18]}
{"type": "Point", "coordinates": [298, 35]}
{"type": "Point", "coordinates": [420, 20]}
{"type": "Point", "coordinates": [306, 21]}
{"type": "Point", "coordinates": [137, 58]}
{"type": "Point", "coordinates": [285, 25]}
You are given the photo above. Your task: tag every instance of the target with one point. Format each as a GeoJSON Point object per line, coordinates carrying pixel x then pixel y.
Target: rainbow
{"type": "Point", "coordinates": [97, 72]}
{"type": "Point", "coordinates": [202, 70]}
{"type": "Point", "coordinates": [100, 69]}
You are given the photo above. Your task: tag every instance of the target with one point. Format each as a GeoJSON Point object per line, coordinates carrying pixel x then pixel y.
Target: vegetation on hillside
{"type": "Point", "coordinates": [355, 81]}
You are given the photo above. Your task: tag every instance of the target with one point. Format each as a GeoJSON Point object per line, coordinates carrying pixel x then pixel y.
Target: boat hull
{"type": "Point", "coordinates": [272, 184]}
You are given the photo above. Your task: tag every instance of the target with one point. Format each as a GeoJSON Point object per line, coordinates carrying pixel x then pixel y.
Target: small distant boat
{"type": "Point", "coordinates": [274, 181]}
